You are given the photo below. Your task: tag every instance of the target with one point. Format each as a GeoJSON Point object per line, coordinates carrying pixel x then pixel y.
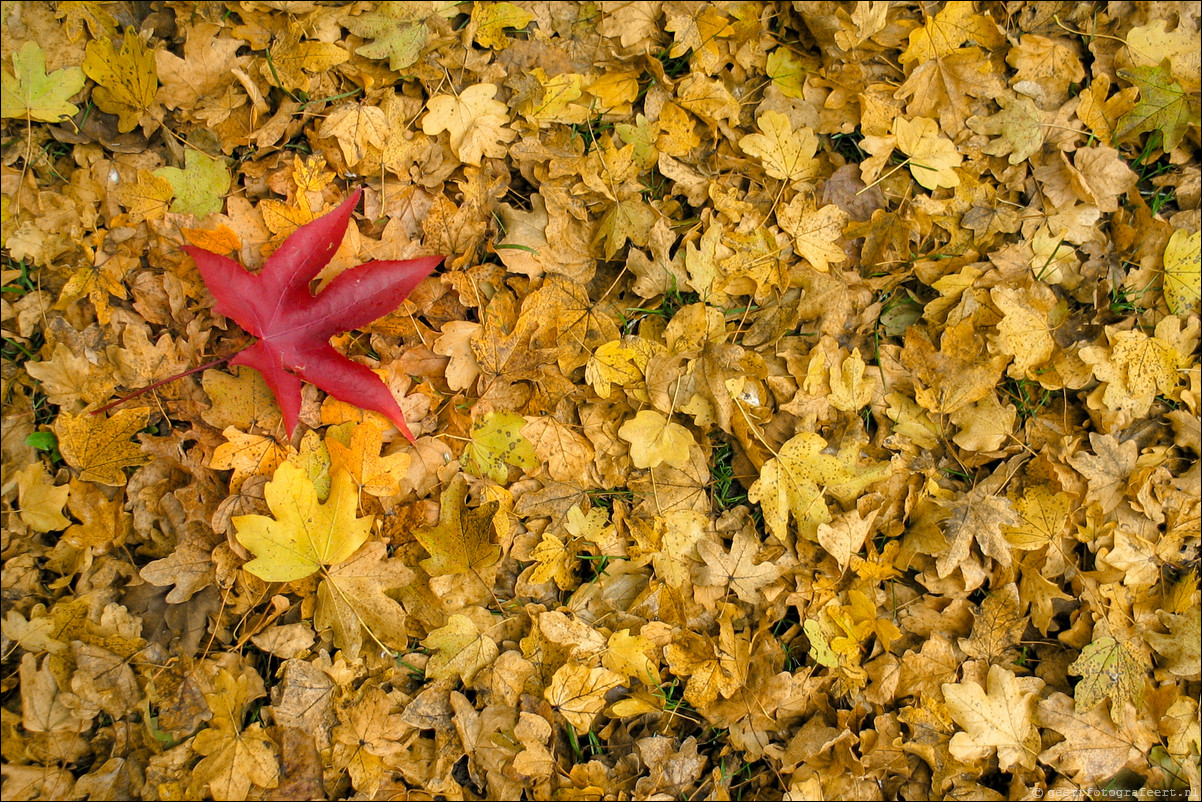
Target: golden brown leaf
{"type": "Point", "coordinates": [99, 447]}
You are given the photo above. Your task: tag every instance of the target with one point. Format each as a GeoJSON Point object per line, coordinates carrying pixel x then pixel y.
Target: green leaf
{"type": "Point", "coordinates": [1163, 106]}
{"type": "Point", "coordinates": [42, 441]}
{"type": "Point", "coordinates": [200, 187]}
{"type": "Point", "coordinates": [1108, 670]}
{"type": "Point", "coordinates": [496, 444]}
{"type": "Point", "coordinates": [398, 31]}
{"type": "Point", "coordinates": [34, 94]}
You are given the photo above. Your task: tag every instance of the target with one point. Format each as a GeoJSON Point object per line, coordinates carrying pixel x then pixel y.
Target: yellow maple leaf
{"type": "Point", "coordinates": [568, 318]}
{"type": "Point", "coordinates": [247, 455]}
{"type": "Point", "coordinates": [954, 374]}
{"type": "Point", "coordinates": [755, 268]}
{"type": "Point", "coordinates": [488, 23]}
{"type": "Point", "coordinates": [1000, 718]}
{"type": "Point", "coordinates": [614, 91]}
{"type": "Point", "coordinates": [205, 71]}
{"type": "Point", "coordinates": [985, 425]}
{"type": "Point", "coordinates": [293, 64]}
{"type": "Point", "coordinates": [564, 451]}
{"type": "Point", "coordinates": [99, 447]}
{"type": "Point", "coordinates": [456, 342]}
{"type": "Point", "coordinates": [1182, 278]}
{"type": "Point", "coordinates": [360, 457]}
{"type": "Point", "coordinates": [127, 80]}
{"type": "Point", "coordinates": [1148, 45]}
{"type": "Point", "coordinates": [399, 30]}
{"type": "Point", "coordinates": [817, 233]}
{"type": "Point", "coordinates": [223, 239]}
{"type": "Point", "coordinates": [1044, 514]}
{"type": "Point", "coordinates": [146, 198]}
{"type": "Point", "coordinates": [1109, 669]}
{"type": "Point", "coordinates": [612, 169]}
{"type": "Point", "coordinates": [631, 656]}
{"type": "Point", "coordinates": [366, 739]}
{"type": "Point", "coordinates": [475, 121]}
{"type": "Point", "coordinates": [713, 668]}
{"type": "Point", "coordinates": [200, 188]}
{"type": "Point", "coordinates": [787, 72]}
{"type": "Point", "coordinates": [1019, 128]}
{"type": "Point", "coordinates": [670, 542]}
{"type": "Point", "coordinates": [496, 443]}
{"type": "Point", "coordinates": [677, 134]}
{"type": "Point", "coordinates": [618, 362]}
{"type": "Point", "coordinates": [30, 93]}
{"type": "Point", "coordinates": [98, 281]}
{"type": "Point", "coordinates": [554, 561]}
{"type": "Point", "coordinates": [578, 693]}
{"type": "Point", "coordinates": [553, 99]}
{"type": "Point", "coordinates": [313, 458]}
{"type": "Point", "coordinates": [1179, 646]}
{"type": "Point", "coordinates": [698, 31]}
{"type": "Point", "coordinates": [786, 153]}
{"type": "Point", "coordinates": [1136, 368]}
{"type": "Point", "coordinates": [628, 219]}
{"type": "Point", "coordinates": [998, 626]}
{"type": "Point", "coordinates": [701, 260]}
{"type": "Point", "coordinates": [796, 480]}
{"type": "Point", "coordinates": [240, 399]}
{"type": "Point", "coordinates": [235, 758]}
{"type": "Point", "coordinates": [1024, 332]}
{"type": "Point", "coordinates": [932, 157]}
{"type": "Point", "coordinates": [654, 440]}
{"type": "Point", "coordinates": [68, 378]}
{"type": "Point", "coordinates": [1050, 63]}
{"type": "Point", "coordinates": [838, 635]}
{"type": "Point", "coordinates": [461, 542]}
{"type": "Point", "coordinates": [845, 535]}
{"type": "Point", "coordinates": [41, 501]}
{"type": "Point", "coordinates": [310, 174]}
{"type": "Point", "coordinates": [851, 386]}
{"type": "Point", "coordinates": [942, 33]}
{"type": "Point", "coordinates": [103, 524]}
{"type": "Point", "coordinates": [354, 599]}
{"type": "Point", "coordinates": [460, 650]}
{"type": "Point", "coordinates": [361, 131]}
{"type": "Point", "coordinates": [736, 569]}
{"type": "Point", "coordinates": [535, 761]}
{"type": "Point", "coordinates": [304, 535]}
{"type": "Point", "coordinates": [1101, 111]}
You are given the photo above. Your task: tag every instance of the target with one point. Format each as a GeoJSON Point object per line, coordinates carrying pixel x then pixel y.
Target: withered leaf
{"type": "Point", "coordinates": [462, 541]}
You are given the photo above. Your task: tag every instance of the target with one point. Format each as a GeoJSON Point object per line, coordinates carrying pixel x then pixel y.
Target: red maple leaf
{"type": "Point", "coordinates": [294, 326]}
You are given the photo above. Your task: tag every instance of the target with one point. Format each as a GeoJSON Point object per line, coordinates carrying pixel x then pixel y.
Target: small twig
{"type": "Point", "coordinates": [167, 380]}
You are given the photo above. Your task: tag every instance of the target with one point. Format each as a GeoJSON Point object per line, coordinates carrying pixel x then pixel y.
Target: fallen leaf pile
{"type": "Point", "coordinates": [807, 405]}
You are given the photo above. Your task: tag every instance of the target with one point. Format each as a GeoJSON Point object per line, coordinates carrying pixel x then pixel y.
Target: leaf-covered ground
{"type": "Point", "coordinates": [807, 406]}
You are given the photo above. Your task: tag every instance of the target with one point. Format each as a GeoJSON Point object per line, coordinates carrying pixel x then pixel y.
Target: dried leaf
{"type": "Point", "coordinates": [127, 79]}
{"type": "Point", "coordinates": [462, 541]}
{"type": "Point", "coordinates": [99, 447]}
{"type": "Point", "coordinates": [998, 718]}
{"type": "Point", "coordinates": [460, 649]}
